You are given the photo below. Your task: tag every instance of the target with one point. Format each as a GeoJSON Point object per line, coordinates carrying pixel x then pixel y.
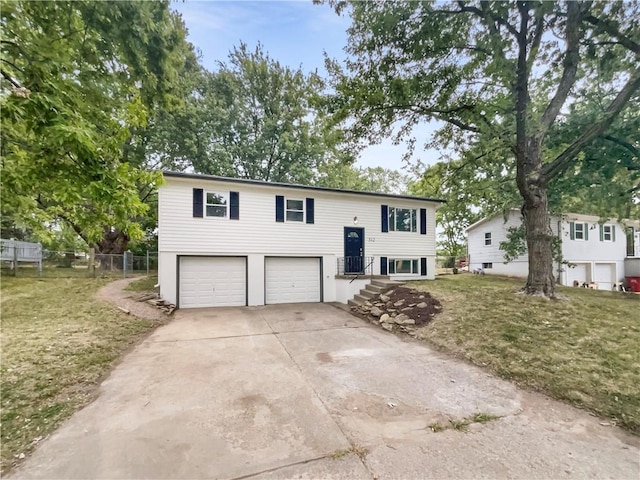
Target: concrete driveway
{"type": "Point", "coordinates": [309, 391]}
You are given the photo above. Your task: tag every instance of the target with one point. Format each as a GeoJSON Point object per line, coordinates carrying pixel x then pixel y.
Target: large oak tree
{"type": "Point", "coordinates": [500, 76]}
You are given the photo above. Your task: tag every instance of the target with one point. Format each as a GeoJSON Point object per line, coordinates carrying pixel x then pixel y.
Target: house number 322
{"type": "Point", "coordinates": [371, 239]}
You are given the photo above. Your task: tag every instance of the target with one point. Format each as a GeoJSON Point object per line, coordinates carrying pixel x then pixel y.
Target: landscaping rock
{"type": "Point", "coordinates": [384, 298]}
{"type": "Point", "coordinates": [399, 303]}
{"type": "Point", "coordinates": [376, 312]}
{"type": "Point", "coordinates": [422, 305]}
{"type": "Point", "coordinates": [403, 319]}
{"type": "Point", "coordinates": [387, 326]}
{"type": "Point", "coordinates": [384, 317]}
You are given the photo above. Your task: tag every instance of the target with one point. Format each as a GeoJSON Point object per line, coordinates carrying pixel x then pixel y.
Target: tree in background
{"type": "Point", "coordinates": [500, 76]}
{"type": "Point", "coordinates": [79, 80]}
{"type": "Point", "coordinates": [259, 120]}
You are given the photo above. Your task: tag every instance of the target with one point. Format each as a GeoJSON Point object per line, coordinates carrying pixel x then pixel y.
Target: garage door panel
{"type": "Point", "coordinates": [605, 275]}
{"type": "Point", "coordinates": [579, 273]}
{"type": "Point", "coordinates": [292, 280]}
{"type": "Point", "coordinates": [212, 282]}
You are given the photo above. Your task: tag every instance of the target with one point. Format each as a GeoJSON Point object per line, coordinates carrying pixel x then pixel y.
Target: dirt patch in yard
{"type": "Point", "coordinates": [400, 308]}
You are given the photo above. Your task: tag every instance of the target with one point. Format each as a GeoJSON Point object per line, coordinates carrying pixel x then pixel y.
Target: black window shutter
{"type": "Point", "coordinates": [198, 198]}
{"type": "Point", "coordinates": [310, 210]}
{"type": "Point", "coordinates": [423, 221]}
{"type": "Point", "coordinates": [383, 265]}
{"type": "Point", "coordinates": [234, 206]}
{"type": "Point", "coordinates": [279, 208]}
{"type": "Point", "coordinates": [385, 221]}
{"type": "Point", "coordinates": [423, 266]}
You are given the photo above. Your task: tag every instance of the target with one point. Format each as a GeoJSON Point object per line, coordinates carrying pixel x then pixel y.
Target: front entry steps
{"type": "Point", "coordinates": [376, 287]}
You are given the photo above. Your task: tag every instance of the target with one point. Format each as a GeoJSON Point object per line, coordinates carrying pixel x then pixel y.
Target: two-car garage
{"type": "Point", "coordinates": [212, 281]}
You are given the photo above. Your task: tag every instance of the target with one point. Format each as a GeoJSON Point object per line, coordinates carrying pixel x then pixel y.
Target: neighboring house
{"type": "Point", "coordinates": [232, 242]}
{"type": "Point", "coordinates": [600, 252]}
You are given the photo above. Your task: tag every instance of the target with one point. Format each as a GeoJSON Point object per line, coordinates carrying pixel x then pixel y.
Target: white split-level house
{"type": "Point", "coordinates": [234, 242]}
{"type": "Point", "coordinates": [598, 252]}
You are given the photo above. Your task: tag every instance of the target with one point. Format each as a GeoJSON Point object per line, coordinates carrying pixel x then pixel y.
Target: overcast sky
{"type": "Point", "coordinates": [296, 33]}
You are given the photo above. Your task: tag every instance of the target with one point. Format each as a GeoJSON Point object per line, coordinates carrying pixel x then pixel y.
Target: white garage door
{"type": "Point", "coordinates": [579, 273]}
{"type": "Point", "coordinates": [605, 275]}
{"type": "Point", "coordinates": [292, 280]}
{"type": "Point", "coordinates": [212, 282]}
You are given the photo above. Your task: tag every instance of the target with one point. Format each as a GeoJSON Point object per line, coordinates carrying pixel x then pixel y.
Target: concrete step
{"type": "Point", "coordinates": [385, 283]}
{"type": "Point", "coordinates": [374, 289]}
{"type": "Point", "coordinates": [367, 293]}
{"type": "Point", "coordinates": [360, 298]}
{"type": "Point", "coordinates": [353, 303]}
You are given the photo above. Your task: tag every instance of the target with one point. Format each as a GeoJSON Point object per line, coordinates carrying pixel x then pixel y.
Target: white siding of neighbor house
{"type": "Point", "coordinates": [480, 253]}
{"type": "Point", "coordinates": [256, 234]}
{"type": "Point", "coordinates": [593, 258]}
{"type": "Point", "coordinates": [594, 252]}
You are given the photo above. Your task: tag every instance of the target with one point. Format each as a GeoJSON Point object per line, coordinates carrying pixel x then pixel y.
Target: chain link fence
{"type": "Point", "coordinates": [451, 265]}
{"type": "Point", "coordinates": [37, 262]}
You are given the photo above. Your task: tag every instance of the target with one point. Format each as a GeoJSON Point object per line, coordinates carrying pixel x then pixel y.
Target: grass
{"type": "Point", "coordinates": [144, 284]}
{"type": "Point", "coordinates": [58, 341]}
{"type": "Point", "coordinates": [583, 350]}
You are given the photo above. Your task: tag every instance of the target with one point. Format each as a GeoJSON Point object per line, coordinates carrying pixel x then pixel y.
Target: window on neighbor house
{"type": "Point", "coordinates": [607, 233]}
{"type": "Point", "coordinates": [402, 219]}
{"type": "Point", "coordinates": [487, 239]}
{"type": "Point", "coordinates": [403, 265]}
{"type": "Point", "coordinates": [295, 210]}
{"type": "Point", "coordinates": [487, 265]}
{"type": "Point", "coordinates": [579, 231]}
{"type": "Point", "coordinates": [217, 204]}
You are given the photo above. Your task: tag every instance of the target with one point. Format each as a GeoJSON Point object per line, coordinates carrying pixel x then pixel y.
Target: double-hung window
{"type": "Point", "coordinates": [607, 233]}
{"type": "Point", "coordinates": [216, 204]}
{"type": "Point", "coordinates": [579, 231]}
{"type": "Point", "coordinates": [402, 219]}
{"type": "Point", "coordinates": [295, 210]}
{"type": "Point", "coordinates": [403, 265]}
{"type": "Point", "coordinates": [487, 239]}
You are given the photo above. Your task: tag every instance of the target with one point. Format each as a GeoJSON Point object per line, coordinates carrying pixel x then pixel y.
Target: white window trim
{"type": "Point", "coordinates": [575, 231]}
{"type": "Point", "coordinates": [404, 259]}
{"type": "Point", "coordinates": [414, 218]}
{"type": "Point", "coordinates": [604, 233]}
{"type": "Point", "coordinates": [487, 263]}
{"type": "Point", "coordinates": [226, 195]}
{"type": "Point", "coordinates": [286, 209]}
{"type": "Point", "coordinates": [490, 239]}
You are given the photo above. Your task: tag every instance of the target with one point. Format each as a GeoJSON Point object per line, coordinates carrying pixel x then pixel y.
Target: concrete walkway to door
{"type": "Point", "coordinates": [309, 391]}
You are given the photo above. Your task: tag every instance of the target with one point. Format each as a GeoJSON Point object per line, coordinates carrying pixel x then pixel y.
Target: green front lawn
{"type": "Point", "coordinates": [584, 350]}
{"type": "Point", "coordinates": [57, 343]}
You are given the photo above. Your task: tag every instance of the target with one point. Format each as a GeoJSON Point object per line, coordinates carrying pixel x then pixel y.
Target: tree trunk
{"type": "Point", "coordinates": [535, 213]}
{"type": "Point", "coordinates": [539, 236]}
{"type": "Point", "coordinates": [113, 242]}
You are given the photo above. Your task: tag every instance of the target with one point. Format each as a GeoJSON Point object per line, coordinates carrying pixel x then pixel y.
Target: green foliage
{"type": "Point", "coordinates": [78, 80]}
{"type": "Point", "coordinates": [504, 82]}
{"type": "Point", "coordinates": [258, 120]}
{"type": "Point", "coordinates": [445, 181]}
{"type": "Point", "coordinates": [368, 179]}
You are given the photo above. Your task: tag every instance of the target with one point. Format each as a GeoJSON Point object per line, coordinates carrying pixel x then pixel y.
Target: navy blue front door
{"type": "Point", "coordinates": [353, 250]}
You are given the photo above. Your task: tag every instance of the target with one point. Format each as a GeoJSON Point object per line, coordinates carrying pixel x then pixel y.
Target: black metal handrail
{"type": "Point", "coordinates": [355, 265]}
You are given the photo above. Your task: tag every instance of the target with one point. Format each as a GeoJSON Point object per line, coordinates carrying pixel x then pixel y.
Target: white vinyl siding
{"type": "Point", "coordinates": [292, 280]}
{"type": "Point", "coordinates": [257, 232]}
{"type": "Point", "coordinates": [212, 282]}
